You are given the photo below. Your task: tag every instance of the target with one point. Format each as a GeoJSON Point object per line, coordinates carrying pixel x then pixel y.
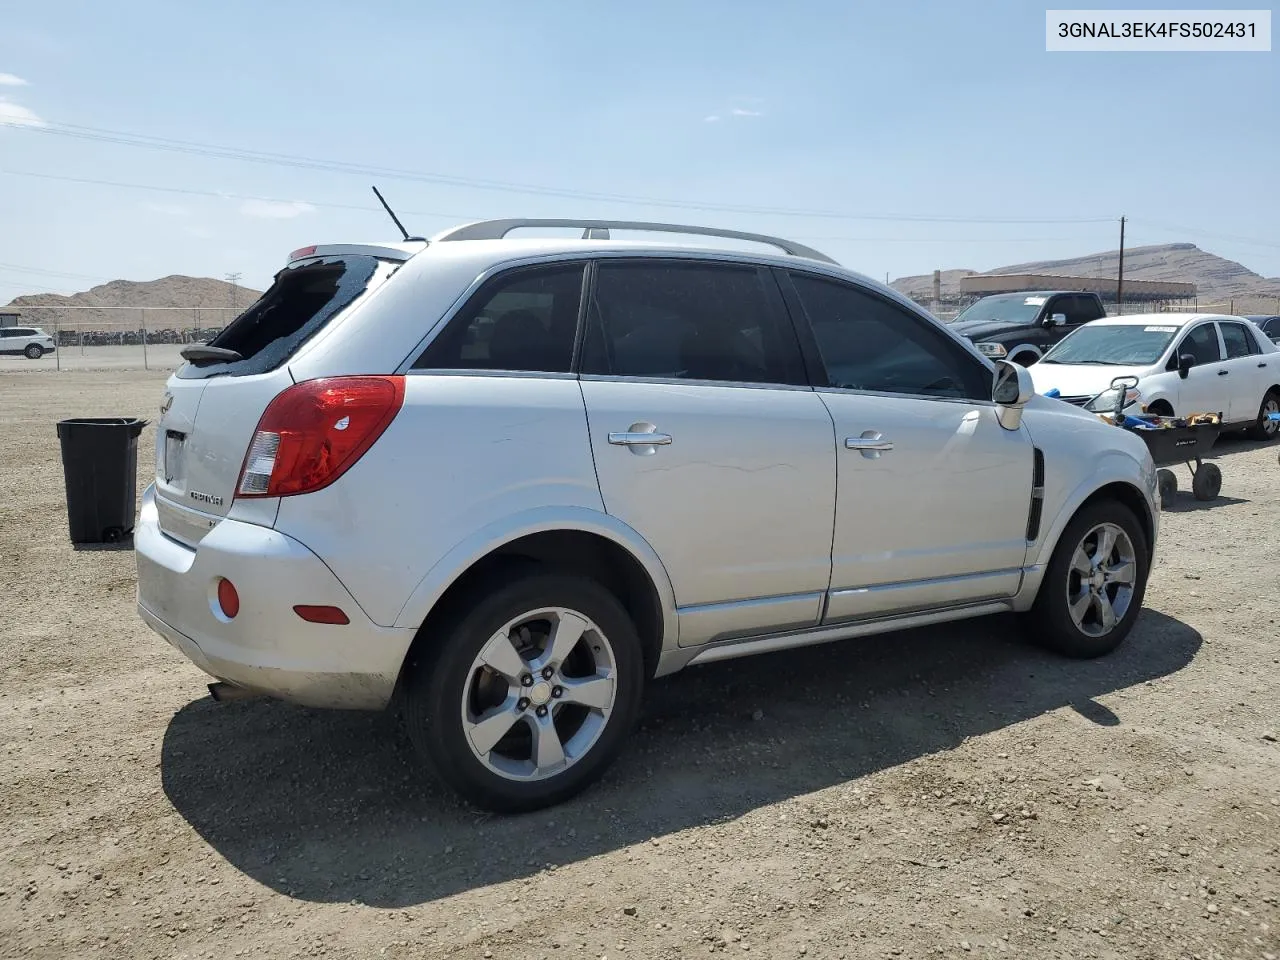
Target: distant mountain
{"type": "Point", "coordinates": [197, 294]}
{"type": "Point", "coordinates": [1217, 279]}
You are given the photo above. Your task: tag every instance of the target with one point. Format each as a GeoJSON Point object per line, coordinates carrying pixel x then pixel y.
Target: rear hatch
{"type": "Point", "coordinates": [213, 403]}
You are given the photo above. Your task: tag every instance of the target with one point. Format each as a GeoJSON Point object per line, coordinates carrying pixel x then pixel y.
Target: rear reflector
{"type": "Point", "coordinates": [228, 599]}
{"type": "Point", "coordinates": [314, 431]}
{"type": "Point", "coordinates": [314, 614]}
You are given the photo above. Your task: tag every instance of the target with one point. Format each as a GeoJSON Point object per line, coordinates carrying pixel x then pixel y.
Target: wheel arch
{"type": "Point", "coordinates": [595, 546]}
{"type": "Point", "coordinates": [1127, 490]}
{"type": "Point", "coordinates": [1024, 350]}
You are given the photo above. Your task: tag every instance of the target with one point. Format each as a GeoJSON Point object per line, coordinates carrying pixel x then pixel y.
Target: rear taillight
{"type": "Point", "coordinates": [314, 431]}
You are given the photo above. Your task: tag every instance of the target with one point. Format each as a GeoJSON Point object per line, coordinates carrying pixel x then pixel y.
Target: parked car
{"type": "Point", "coordinates": [1021, 326]}
{"type": "Point", "coordinates": [1185, 363]}
{"type": "Point", "coordinates": [31, 342]}
{"type": "Point", "coordinates": [1269, 325]}
{"type": "Point", "coordinates": [506, 483]}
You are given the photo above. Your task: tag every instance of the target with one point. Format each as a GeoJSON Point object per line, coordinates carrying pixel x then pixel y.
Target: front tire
{"type": "Point", "coordinates": [1264, 428]}
{"type": "Point", "coordinates": [524, 698]}
{"type": "Point", "coordinates": [1093, 587]}
{"type": "Point", "coordinates": [34, 351]}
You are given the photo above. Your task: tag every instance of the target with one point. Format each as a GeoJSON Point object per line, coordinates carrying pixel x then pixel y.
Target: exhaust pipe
{"type": "Point", "coordinates": [222, 692]}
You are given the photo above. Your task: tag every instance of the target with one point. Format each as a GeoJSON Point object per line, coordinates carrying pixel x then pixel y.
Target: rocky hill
{"type": "Point", "coordinates": [1217, 279]}
{"type": "Point", "coordinates": [206, 303]}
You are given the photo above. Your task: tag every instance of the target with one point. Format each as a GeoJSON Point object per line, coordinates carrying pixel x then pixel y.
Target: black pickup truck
{"type": "Point", "coordinates": [1022, 326]}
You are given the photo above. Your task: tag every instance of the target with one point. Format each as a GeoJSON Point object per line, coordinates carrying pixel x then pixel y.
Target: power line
{"type": "Point", "coordinates": [455, 217]}
{"type": "Point", "coordinates": [18, 268]}
{"type": "Point", "coordinates": [144, 141]}
{"type": "Point", "coordinates": [220, 195]}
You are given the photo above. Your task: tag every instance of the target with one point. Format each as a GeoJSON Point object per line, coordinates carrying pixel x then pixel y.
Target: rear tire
{"type": "Point", "coordinates": [1085, 607]}
{"type": "Point", "coordinates": [1207, 482]}
{"type": "Point", "coordinates": [34, 351]}
{"type": "Point", "coordinates": [1168, 483]}
{"type": "Point", "coordinates": [525, 697]}
{"type": "Point", "coordinates": [1262, 428]}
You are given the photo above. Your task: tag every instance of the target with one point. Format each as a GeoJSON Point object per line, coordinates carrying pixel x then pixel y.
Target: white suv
{"type": "Point", "coordinates": [31, 342]}
{"type": "Point", "coordinates": [507, 482]}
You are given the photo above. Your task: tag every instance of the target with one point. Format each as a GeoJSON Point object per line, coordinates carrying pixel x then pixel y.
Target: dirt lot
{"type": "Point", "coordinates": [948, 792]}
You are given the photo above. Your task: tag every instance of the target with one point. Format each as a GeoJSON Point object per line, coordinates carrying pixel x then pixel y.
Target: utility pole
{"type": "Point", "coordinates": [1120, 273]}
{"type": "Point", "coordinates": [234, 280]}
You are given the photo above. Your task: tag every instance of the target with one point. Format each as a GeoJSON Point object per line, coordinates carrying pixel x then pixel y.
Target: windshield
{"type": "Point", "coordinates": [1122, 345]}
{"type": "Point", "coordinates": [1009, 308]}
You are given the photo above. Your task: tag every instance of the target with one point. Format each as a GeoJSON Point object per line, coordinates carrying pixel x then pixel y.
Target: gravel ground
{"type": "Point", "coordinates": [941, 793]}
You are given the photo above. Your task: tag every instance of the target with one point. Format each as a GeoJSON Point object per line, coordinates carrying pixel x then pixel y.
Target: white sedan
{"type": "Point", "coordinates": [1185, 363]}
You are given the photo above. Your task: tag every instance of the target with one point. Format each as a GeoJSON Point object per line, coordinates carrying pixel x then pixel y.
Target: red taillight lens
{"type": "Point", "coordinates": [228, 599]}
{"type": "Point", "coordinates": [318, 614]}
{"type": "Point", "coordinates": [314, 431]}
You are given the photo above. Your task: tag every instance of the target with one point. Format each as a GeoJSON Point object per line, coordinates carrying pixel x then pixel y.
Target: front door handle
{"type": "Point", "coordinates": [1223, 373]}
{"type": "Point", "coordinates": [871, 444]}
{"type": "Point", "coordinates": [627, 439]}
{"type": "Point", "coordinates": [1262, 365]}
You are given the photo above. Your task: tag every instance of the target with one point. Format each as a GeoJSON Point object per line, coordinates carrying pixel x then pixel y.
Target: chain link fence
{"type": "Point", "coordinates": [116, 338]}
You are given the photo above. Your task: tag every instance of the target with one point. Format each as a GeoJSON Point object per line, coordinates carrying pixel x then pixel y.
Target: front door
{"type": "Point", "coordinates": [708, 441]}
{"type": "Point", "coordinates": [933, 495]}
{"type": "Point", "coordinates": [1205, 388]}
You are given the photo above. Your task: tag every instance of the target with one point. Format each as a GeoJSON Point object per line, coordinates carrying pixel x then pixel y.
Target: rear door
{"type": "Point", "coordinates": [709, 442]}
{"type": "Point", "coordinates": [1248, 375]}
{"type": "Point", "coordinates": [8, 341]}
{"type": "Point", "coordinates": [211, 409]}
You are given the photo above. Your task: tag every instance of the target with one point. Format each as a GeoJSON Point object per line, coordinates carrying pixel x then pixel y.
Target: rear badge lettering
{"type": "Point", "coordinates": [208, 498]}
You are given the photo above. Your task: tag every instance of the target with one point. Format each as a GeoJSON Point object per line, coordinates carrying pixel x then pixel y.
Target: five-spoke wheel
{"type": "Point", "coordinates": [523, 697]}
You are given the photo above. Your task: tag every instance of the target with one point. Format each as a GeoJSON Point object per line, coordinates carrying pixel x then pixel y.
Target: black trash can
{"type": "Point", "coordinates": [100, 464]}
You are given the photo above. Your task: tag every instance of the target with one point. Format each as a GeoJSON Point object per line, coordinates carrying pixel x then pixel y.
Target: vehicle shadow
{"type": "Point", "coordinates": [331, 807]}
{"type": "Point", "coordinates": [1234, 442]}
{"type": "Point", "coordinates": [1186, 503]}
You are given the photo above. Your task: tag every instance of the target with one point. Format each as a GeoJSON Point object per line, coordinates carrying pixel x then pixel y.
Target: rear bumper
{"type": "Point", "coordinates": [267, 647]}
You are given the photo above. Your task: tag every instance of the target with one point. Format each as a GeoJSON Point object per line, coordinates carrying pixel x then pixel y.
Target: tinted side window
{"type": "Point", "coordinates": [1078, 309]}
{"type": "Point", "coordinates": [690, 320]}
{"type": "Point", "coordinates": [1239, 340]}
{"type": "Point", "coordinates": [525, 320]}
{"type": "Point", "coordinates": [867, 343]}
{"type": "Point", "coordinates": [1202, 343]}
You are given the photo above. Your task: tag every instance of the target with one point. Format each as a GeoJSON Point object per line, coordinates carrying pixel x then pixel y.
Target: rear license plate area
{"type": "Point", "coordinates": [173, 455]}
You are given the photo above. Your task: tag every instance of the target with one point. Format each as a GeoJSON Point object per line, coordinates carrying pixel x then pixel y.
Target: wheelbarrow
{"type": "Point", "coordinates": [1171, 441]}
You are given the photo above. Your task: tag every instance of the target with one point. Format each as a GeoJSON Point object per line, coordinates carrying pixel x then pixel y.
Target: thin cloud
{"type": "Point", "coordinates": [740, 112]}
{"type": "Point", "coordinates": [9, 80]}
{"type": "Point", "coordinates": [16, 115]}
{"type": "Point", "coordinates": [714, 118]}
{"type": "Point", "coordinates": [275, 209]}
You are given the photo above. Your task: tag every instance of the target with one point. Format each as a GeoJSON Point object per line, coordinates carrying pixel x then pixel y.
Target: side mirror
{"type": "Point", "coordinates": [1011, 392]}
{"type": "Point", "coordinates": [1056, 320]}
{"type": "Point", "coordinates": [1185, 362]}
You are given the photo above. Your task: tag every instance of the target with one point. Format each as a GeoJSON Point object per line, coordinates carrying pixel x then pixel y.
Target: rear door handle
{"type": "Point", "coordinates": [627, 439]}
{"type": "Point", "coordinates": [871, 444]}
{"type": "Point", "coordinates": [1223, 373]}
{"type": "Point", "coordinates": [1262, 365]}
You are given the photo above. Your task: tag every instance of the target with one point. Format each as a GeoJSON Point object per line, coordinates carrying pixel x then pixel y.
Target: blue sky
{"type": "Point", "coordinates": [900, 111]}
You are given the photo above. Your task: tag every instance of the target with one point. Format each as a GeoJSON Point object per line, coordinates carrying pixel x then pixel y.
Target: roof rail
{"type": "Point", "coordinates": [599, 230]}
